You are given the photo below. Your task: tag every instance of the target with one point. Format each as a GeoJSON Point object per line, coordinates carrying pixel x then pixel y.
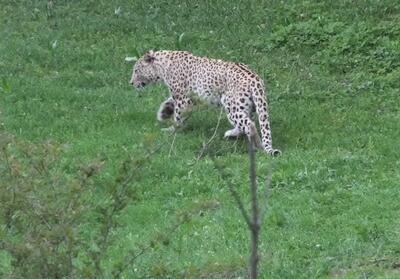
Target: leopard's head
{"type": "Point", "coordinates": [145, 71]}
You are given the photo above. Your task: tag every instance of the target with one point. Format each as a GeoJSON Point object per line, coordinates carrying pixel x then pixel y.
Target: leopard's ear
{"type": "Point", "coordinates": [149, 57]}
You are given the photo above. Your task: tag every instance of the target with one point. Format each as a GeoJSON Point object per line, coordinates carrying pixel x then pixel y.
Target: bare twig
{"type": "Point", "coordinates": [169, 233]}
{"type": "Point", "coordinates": [267, 185]}
{"type": "Point", "coordinates": [235, 144]}
{"type": "Point", "coordinates": [149, 154]}
{"type": "Point", "coordinates": [207, 144]}
{"type": "Point", "coordinates": [253, 221]}
{"type": "Point", "coordinates": [5, 152]}
{"type": "Point", "coordinates": [172, 145]}
{"type": "Point", "coordinates": [144, 249]}
{"type": "Point", "coordinates": [7, 161]}
{"type": "Point", "coordinates": [234, 194]}
{"type": "Point", "coordinates": [255, 224]}
{"type": "Point", "coordinates": [216, 127]}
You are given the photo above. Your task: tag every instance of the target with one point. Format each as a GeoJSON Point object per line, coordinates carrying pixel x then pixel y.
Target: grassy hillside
{"type": "Point", "coordinates": [81, 196]}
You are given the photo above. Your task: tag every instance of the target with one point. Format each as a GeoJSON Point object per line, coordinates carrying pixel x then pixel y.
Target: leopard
{"type": "Point", "coordinates": [234, 86]}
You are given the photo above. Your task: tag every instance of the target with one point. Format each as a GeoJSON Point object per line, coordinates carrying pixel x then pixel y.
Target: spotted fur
{"type": "Point", "coordinates": [233, 85]}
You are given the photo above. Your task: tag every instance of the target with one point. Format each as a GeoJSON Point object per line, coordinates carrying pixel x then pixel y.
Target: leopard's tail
{"type": "Point", "coordinates": [260, 101]}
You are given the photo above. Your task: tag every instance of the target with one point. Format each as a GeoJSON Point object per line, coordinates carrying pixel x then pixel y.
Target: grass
{"type": "Point", "coordinates": [332, 70]}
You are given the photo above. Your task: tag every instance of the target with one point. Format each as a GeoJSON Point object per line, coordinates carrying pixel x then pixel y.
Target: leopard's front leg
{"type": "Point", "coordinates": [182, 104]}
{"type": "Point", "coordinates": [166, 110]}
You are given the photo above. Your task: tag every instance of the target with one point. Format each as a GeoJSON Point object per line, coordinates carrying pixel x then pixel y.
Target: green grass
{"type": "Point", "coordinates": [332, 69]}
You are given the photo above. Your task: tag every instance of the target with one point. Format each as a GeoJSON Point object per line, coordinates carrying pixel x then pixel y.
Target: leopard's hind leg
{"type": "Point", "coordinates": [239, 115]}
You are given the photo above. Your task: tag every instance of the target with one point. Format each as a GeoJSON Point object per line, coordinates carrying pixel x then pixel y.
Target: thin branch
{"type": "Point", "coordinates": [9, 219]}
{"type": "Point", "coordinates": [7, 161]}
{"type": "Point", "coordinates": [255, 225]}
{"type": "Point", "coordinates": [234, 194]}
{"type": "Point", "coordinates": [267, 185]}
{"type": "Point", "coordinates": [172, 145]}
{"type": "Point", "coordinates": [253, 222]}
{"type": "Point", "coordinates": [169, 231]}
{"type": "Point", "coordinates": [216, 127]}
{"type": "Point", "coordinates": [206, 145]}
{"type": "Point", "coordinates": [253, 182]}
{"type": "Point", "coordinates": [240, 205]}
{"type": "Point", "coordinates": [149, 154]}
